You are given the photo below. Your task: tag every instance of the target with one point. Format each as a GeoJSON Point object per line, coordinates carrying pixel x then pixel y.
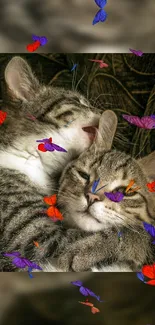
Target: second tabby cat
{"type": "Point", "coordinates": [97, 214]}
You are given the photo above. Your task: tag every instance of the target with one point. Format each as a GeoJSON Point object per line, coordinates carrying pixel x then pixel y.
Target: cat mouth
{"type": "Point", "coordinates": [91, 130]}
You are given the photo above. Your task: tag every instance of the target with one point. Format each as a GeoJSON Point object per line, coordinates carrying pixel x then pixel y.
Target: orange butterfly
{"type": "Point", "coordinates": [36, 244]}
{"type": "Point", "coordinates": [52, 211]}
{"type": "Point", "coordinates": [151, 187]}
{"type": "Point", "coordinates": [94, 310]}
{"type": "Point", "coordinates": [2, 116]}
{"type": "Point", "coordinates": [130, 185]}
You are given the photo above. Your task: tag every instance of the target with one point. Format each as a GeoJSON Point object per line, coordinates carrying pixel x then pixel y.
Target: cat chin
{"type": "Point", "coordinates": [87, 223]}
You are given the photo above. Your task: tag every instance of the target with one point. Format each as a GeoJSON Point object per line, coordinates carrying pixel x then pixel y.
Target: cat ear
{"type": "Point", "coordinates": [106, 130]}
{"type": "Point", "coordinates": [148, 165]}
{"type": "Point", "coordinates": [20, 79]}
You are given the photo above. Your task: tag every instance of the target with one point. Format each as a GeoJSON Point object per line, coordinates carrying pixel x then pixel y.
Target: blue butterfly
{"type": "Point", "coordinates": [151, 230]}
{"type": "Point", "coordinates": [101, 14]}
{"type": "Point", "coordinates": [74, 66]}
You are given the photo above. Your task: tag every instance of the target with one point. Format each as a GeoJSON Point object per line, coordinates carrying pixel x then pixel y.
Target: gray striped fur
{"type": "Point", "coordinates": [28, 175]}
{"type": "Point", "coordinates": [115, 170]}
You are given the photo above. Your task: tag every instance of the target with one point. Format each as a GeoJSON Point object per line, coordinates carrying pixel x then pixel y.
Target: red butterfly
{"type": "Point", "coordinates": [94, 310]}
{"type": "Point", "coordinates": [151, 187]}
{"type": "Point", "coordinates": [3, 116]}
{"type": "Point", "coordinates": [52, 211]}
{"type": "Point", "coordinates": [149, 271]}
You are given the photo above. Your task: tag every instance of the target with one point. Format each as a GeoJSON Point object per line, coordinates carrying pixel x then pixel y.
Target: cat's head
{"type": "Point", "coordinates": [60, 114]}
{"type": "Point", "coordinates": [94, 212]}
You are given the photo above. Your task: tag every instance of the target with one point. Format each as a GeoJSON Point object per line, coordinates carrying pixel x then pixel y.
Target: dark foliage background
{"type": "Point", "coordinates": [127, 86]}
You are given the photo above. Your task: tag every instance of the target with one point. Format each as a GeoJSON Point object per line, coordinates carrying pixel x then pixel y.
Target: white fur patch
{"type": "Point", "coordinates": [113, 268]}
{"type": "Point", "coordinates": [38, 166]}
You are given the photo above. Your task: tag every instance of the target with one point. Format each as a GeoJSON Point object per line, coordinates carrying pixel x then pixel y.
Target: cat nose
{"type": "Point", "coordinates": [92, 197]}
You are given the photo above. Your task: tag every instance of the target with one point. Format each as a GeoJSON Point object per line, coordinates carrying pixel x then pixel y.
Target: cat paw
{"type": "Point", "coordinates": [65, 262]}
{"type": "Point", "coordinates": [71, 262]}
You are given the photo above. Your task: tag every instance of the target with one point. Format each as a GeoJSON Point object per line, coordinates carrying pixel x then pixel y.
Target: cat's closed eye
{"type": "Point", "coordinates": [84, 175]}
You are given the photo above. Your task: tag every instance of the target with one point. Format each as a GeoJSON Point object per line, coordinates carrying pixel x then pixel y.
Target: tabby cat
{"type": "Point", "coordinates": [96, 213]}
{"type": "Point", "coordinates": [27, 174]}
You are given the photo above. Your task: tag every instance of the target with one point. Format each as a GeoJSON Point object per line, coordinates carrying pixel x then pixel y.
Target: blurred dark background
{"type": "Point", "coordinates": [68, 26]}
{"type": "Point", "coordinates": [50, 299]}
{"type": "Point", "coordinates": [126, 87]}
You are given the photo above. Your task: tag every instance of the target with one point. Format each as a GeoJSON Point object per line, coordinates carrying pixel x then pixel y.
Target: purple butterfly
{"type": "Point", "coordinates": [101, 14]}
{"type": "Point", "coordinates": [145, 122]}
{"type": "Point", "coordinates": [42, 39]}
{"type": "Point", "coordinates": [20, 261]}
{"type": "Point", "coordinates": [151, 230]}
{"type": "Point", "coordinates": [47, 145]}
{"type": "Point", "coordinates": [138, 53]}
{"type": "Point", "coordinates": [85, 291]}
{"type": "Point", "coordinates": [115, 197]}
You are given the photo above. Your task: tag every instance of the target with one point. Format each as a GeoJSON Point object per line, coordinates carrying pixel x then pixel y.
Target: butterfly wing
{"type": "Point", "coordinates": [139, 53]}
{"type": "Point", "coordinates": [115, 197]}
{"type": "Point", "coordinates": [100, 188]}
{"type": "Point", "coordinates": [94, 186]}
{"type": "Point", "coordinates": [77, 283]}
{"type": "Point", "coordinates": [91, 293]}
{"type": "Point", "coordinates": [130, 185]}
{"type": "Point", "coordinates": [19, 262]}
{"type": "Point", "coordinates": [100, 16]}
{"type": "Point", "coordinates": [58, 214]}
{"type": "Point", "coordinates": [51, 200]}
{"type": "Point", "coordinates": [101, 3]}
{"type": "Point", "coordinates": [3, 116]}
{"type": "Point", "coordinates": [148, 122]}
{"type": "Point", "coordinates": [135, 120]}
{"type": "Point", "coordinates": [43, 140]}
{"type": "Point", "coordinates": [151, 282]}
{"type": "Point", "coordinates": [149, 271]}
{"type": "Point", "coordinates": [103, 65]}
{"type": "Point", "coordinates": [41, 147]}
{"type": "Point", "coordinates": [149, 228]}
{"type": "Point", "coordinates": [133, 51]}
{"type": "Point", "coordinates": [53, 212]}
{"type": "Point", "coordinates": [12, 254]}
{"type": "Point", "coordinates": [98, 61]}
{"type": "Point", "coordinates": [49, 146]}
{"type": "Point", "coordinates": [58, 148]}
{"type": "Point", "coordinates": [140, 276]}
{"type": "Point", "coordinates": [84, 291]}
{"type": "Point", "coordinates": [74, 66]}
{"type": "Point", "coordinates": [151, 186]}
{"type": "Point", "coordinates": [95, 310]}
{"type": "Point", "coordinates": [86, 303]}
{"type": "Point", "coordinates": [31, 265]}
{"type": "Point", "coordinates": [35, 38]}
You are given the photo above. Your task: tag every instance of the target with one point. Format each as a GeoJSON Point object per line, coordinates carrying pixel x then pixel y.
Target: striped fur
{"type": "Point", "coordinates": [26, 174]}
{"type": "Point", "coordinates": [115, 170]}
